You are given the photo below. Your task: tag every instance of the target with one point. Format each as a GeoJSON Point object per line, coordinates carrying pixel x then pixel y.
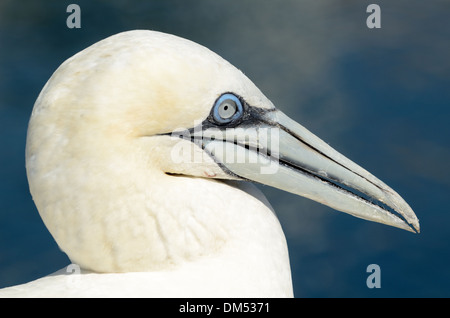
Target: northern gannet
{"type": "Point", "coordinates": [137, 152]}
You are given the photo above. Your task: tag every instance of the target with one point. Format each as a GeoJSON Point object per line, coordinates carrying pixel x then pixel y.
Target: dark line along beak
{"type": "Point", "coordinates": [279, 152]}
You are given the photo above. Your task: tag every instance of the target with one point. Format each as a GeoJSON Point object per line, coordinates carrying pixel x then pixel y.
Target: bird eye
{"type": "Point", "coordinates": [227, 108]}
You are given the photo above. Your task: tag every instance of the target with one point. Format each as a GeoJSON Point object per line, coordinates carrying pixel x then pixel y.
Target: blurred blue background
{"type": "Point", "coordinates": [379, 96]}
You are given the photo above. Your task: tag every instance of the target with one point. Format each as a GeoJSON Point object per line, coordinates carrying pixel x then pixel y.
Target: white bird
{"type": "Point", "coordinates": [137, 154]}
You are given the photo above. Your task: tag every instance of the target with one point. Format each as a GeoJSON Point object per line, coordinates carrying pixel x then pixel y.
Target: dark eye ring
{"type": "Point", "coordinates": [227, 108]}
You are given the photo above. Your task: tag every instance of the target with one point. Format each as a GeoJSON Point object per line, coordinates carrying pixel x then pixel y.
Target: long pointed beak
{"type": "Point", "coordinates": [277, 151]}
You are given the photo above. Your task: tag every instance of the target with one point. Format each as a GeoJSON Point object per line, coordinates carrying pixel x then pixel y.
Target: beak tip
{"type": "Point", "coordinates": [417, 227]}
{"type": "Point", "coordinates": [413, 221]}
{"type": "Point", "coordinates": [412, 226]}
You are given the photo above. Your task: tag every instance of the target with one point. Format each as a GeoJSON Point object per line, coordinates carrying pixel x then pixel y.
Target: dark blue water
{"type": "Point", "coordinates": [380, 96]}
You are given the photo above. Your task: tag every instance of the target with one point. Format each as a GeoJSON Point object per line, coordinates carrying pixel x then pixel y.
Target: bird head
{"type": "Point", "coordinates": [144, 101]}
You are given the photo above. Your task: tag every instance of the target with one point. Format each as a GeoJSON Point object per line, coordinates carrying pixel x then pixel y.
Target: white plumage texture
{"type": "Point", "coordinates": [97, 174]}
